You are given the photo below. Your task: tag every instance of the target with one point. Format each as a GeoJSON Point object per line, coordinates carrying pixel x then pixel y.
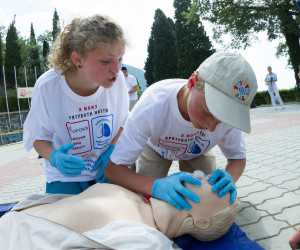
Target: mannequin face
{"type": "Point", "coordinates": [207, 220]}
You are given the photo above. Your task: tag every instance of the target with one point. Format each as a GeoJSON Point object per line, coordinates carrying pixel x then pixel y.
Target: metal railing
{"type": "Point", "coordinates": [15, 101]}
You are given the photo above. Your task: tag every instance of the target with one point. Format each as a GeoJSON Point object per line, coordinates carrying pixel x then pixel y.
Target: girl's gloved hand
{"type": "Point", "coordinates": [67, 164]}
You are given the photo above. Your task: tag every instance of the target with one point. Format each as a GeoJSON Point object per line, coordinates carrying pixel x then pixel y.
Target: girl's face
{"type": "Point", "coordinates": [100, 66]}
{"type": "Point", "coordinates": [198, 111]}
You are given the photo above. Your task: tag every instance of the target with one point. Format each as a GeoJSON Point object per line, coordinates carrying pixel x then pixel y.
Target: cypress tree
{"type": "Point", "coordinates": [45, 52]}
{"type": "Point", "coordinates": [12, 54]}
{"type": "Point", "coordinates": [162, 57]}
{"type": "Point", "coordinates": [34, 56]}
{"type": "Point", "coordinates": [45, 40]}
{"type": "Point", "coordinates": [1, 59]}
{"type": "Point", "coordinates": [193, 45]}
{"type": "Point", "coordinates": [1, 51]}
{"type": "Point", "coordinates": [55, 25]}
{"type": "Point", "coordinates": [32, 35]}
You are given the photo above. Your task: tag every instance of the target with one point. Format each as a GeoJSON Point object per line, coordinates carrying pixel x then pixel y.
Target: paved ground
{"type": "Point", "coordinates": [269, 190]}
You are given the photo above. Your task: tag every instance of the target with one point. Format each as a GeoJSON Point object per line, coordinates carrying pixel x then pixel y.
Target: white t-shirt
{"type": "Point", "coordinates": [131, 82]}
{"type": "Point", "coordinates": [61, 116]}
{"type": "Point", "coordinates": [271, 79]}
{"type": "Point", "coordinates": [157, 121]}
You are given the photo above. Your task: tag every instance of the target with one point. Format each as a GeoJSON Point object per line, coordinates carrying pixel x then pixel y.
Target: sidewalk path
{"type": "Point", "coordinates": [269, 189]}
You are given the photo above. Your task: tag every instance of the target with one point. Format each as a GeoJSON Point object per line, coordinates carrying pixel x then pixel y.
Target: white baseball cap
{"type": "Point", "coordinates": [230, 86]}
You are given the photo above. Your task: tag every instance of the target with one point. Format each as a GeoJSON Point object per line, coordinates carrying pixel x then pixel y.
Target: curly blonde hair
{"type": "Point", "coordinates": [83, 35]}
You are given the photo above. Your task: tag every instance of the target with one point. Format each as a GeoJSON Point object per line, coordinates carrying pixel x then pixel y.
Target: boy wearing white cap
{"type": "Point", "coordinates": [182, 120]}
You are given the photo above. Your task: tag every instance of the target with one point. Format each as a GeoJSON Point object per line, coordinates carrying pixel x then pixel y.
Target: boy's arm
{"type": "Point", "coordinates": [121, 175]}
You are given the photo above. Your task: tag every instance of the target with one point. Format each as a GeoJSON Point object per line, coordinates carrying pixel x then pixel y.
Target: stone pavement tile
{"type": "Point", "coordinates": [263, 196]}
{"type": "Point", "coordinates": [279, 242]}
{"type": "Point", "coordinates": [297, 192]}
{"type": "Point", "coordinates": [265, 173]}
{"type": "Point", "coordinates": [248, 190]}
{"type": "Point", "coordinates": [249, 215]}
{"type": "Point", "coordinates": [282, 180]}
{"type": "Point", "coordinates": [13, 152]}
{"type": "Point", "coordinates": [291, 165]}
{"type": "Point", "coordinates": [243, 205]}
{"type": "Point", "coordinates": [297, 169]}
{"type": "Point", "coordinates": [245, 181]}
{"type": "Point", "coordinates": [292, 184]}
{"type": "Point", "coordinates": [255, 169]}
{"type": "Point", "coordinates": [20, 168]}
{"type": "Point", "coordinates": [277, 205]}
{"type": "Point", "coordinates": [290, 214]}
{"type": "Point", "coordinates": [22, 188]}
{"type": "Point", "coordinates": [266, 227]}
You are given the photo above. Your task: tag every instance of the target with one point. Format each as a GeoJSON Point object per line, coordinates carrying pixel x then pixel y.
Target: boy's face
{"type": "Point", "coordinates": [100, 66]}
{"type": "Point", "coordinates": [198, 111]}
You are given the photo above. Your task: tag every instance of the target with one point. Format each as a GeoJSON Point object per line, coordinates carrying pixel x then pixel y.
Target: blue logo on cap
{"type": "Point", "coordinates": [241, 90]}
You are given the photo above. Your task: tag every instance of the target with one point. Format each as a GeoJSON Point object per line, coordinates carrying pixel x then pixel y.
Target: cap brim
{"type": "Point", "coordinates": [226, 109]}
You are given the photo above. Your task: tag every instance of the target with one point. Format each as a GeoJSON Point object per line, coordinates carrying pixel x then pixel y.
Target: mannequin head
{"type": "Point", "coordinates": [102, 204]}
{"type": "Point", "coordinates": [207, 220]}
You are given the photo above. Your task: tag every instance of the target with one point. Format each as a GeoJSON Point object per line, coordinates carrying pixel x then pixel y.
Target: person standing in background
{"type": "Point", "coordinates": [270, 80]}
{"type": "Point", "coordinates": [132, 86]}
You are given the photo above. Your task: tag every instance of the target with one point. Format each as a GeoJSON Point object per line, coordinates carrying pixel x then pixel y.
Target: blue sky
{"type": "Point", "coordinates": [136, 18]}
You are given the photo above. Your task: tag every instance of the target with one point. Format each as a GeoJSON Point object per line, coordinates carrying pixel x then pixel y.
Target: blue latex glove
{"type": "Point", "coordinates": [102, 163]}
{"type": "Point", "coordinates": [68, 165]}
{"type": "Point", "coordinates": [172, 190]}
{"type": "Point", "coordinates": [222, 183]}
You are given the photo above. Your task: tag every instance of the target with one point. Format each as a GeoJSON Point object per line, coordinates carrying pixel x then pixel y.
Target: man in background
{"type": "Point", "coordinates": [132, 86]}
{"type": "Point", "coordinates": [270, 80]}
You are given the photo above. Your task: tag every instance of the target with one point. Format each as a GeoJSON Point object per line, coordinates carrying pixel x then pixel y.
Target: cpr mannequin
{"type": "Point", "coordinates": [104, 203]}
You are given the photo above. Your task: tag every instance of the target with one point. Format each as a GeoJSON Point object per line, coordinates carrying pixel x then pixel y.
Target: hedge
{"type": "Point", "coordinates": [261, 98]}
{"type": "Point", "coordinates": [13, 104]}
{"type": "Point", "coordinates": [287, 95]}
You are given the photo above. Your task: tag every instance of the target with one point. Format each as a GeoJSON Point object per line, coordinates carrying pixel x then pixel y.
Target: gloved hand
{"type": "Point", "coordinates": [68, 165]}
{"type": "Point", "coordinates": [172, 190]}
{"type": "Point", "coordinates": [222, 183]}
{"type": "Point", "coordinates": [102, 163]}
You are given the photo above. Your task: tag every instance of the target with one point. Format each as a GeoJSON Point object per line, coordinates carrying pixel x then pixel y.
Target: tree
{"type": "Point", "coordinates": [1, 52]}
{"type": "Point", "coordinates": [1, 59]}
{"type": "Point", "coordinates": [45, 52]}
{"type": "Point", "coordinates": [193, 45]}
{"type": "Point", "coordinates": [245, 18]}
{"type": "Point", "coordinates": [55, 25]}
{"type": "Point", "coordinates": [32, 35]}
{"type": "Point", "coordinates": [34, 61]}
{"type": "Point", "coordinates": [12, 54]}
{"type": "Point", "coordinates": [162, 58]}
{"type": "Point", "coordinates": [45, 39]}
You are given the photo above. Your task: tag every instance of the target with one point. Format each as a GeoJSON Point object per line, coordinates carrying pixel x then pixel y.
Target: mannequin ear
{"type": "Point", "coordinates": [186, 226]}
